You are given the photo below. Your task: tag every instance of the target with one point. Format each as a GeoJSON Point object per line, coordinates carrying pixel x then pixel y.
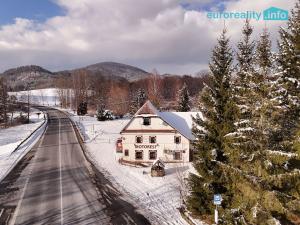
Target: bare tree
{"type": "Point", "coordinates": [42, 96]}
{"type": "Point", "coordinates": [28, 104]}
{"type": "Point", "coordinates": [63, 91]}
{"type": "Point", "coordinates": [12, 107]}
{"type": "Point", "coordinates": [80, 87]}
{"type": "Point", "coordinates": [154, 88]}
{"type": "Point", "coordinates": [118, 100]}
{"type": "Point", "coordinates": [3, 101]}
{"type": "Point", "coordinates": [99, 91]}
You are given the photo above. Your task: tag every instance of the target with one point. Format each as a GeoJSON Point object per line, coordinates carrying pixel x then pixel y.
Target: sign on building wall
{"type": "Point", "coordinates": [145, 146]}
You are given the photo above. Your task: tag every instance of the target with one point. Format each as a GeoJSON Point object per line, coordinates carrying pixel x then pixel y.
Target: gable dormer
{"type": "Point", "coordinates": [147, 118]}
{"type": "Point", "coordinates": [148, 108]}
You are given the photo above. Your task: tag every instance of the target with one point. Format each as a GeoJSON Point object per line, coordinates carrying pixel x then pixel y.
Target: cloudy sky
{"type": "Point", "coordinates": [173, 36]}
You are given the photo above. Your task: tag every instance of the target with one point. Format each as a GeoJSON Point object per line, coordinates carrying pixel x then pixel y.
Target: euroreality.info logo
{"type": "Point", "coordinates": [271, 13]}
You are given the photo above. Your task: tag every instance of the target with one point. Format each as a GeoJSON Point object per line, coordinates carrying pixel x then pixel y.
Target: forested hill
{"type": "Point", "coordinates": [34, 77]}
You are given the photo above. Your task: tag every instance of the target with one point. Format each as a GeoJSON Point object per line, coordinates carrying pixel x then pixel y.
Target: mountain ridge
{"type": "Point", "coordinates": [131, 73]}
{"type": "Point", "coordinates": [33, 76]}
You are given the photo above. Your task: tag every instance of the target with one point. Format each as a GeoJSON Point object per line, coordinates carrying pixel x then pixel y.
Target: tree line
{"type": "Point", "coordinates": [247, 144]}
{"type": "Point", "coordinates": [9, 106]}
{"type": "Point", "coordinates": [82, 92]}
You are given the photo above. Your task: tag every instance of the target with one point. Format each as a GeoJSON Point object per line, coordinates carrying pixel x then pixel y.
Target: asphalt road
{"type": "Point", "coordinates": [54, 184]}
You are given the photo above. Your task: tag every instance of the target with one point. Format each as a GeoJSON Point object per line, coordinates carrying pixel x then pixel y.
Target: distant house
{"type": "Point", "coordinates": [152, 135]}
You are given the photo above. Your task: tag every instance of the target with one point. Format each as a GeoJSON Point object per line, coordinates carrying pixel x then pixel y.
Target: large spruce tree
{"type": "Point", "coordinates": [285, 146]}
{"type": "Point", "coordinates": [264, 181]}
{"type": "Point", "coordinates": [288, 82]}
{"type": "Point", "coordinates": [211, 131]}
{"type": "Point", "coordinates": [248, 142]}
{"type": "Point", "coordinates": [244, 84]}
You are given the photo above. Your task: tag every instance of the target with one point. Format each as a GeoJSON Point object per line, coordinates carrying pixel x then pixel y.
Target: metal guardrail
{"type": "Point", "coordinates": [45, 120]}
{"type": "Point", "coordinates": [18, 159]}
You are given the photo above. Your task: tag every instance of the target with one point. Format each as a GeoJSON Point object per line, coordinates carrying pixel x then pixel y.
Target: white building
{"type": "Point", "coordinates": [152, 135]}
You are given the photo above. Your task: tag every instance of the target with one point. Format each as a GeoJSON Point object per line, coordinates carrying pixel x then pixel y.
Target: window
{"type": "Point", "coordinates": [146, 121]}
{"type": "Point", "coordinates": [139, 154]}
{"type": "Point", "coordinates": [139, 139]}
{"type": "Point", "coordinates": [177, 155]}
{"type": "Point", "coordinates": [126, 153]}
{"type": "Point", "coordinates": [152, 155]}
{"type": "Point", "coordinates": [177, 139]}
{"type": "Point", "coordinates": [152, 139]}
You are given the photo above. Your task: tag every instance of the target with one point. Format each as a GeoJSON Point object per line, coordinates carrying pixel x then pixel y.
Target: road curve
{"type": "Point", "coordinates": [52, 185]}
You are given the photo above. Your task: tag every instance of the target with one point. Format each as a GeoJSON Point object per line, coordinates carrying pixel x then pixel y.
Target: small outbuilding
{"type": "Point", "coordinates": [158, 168]}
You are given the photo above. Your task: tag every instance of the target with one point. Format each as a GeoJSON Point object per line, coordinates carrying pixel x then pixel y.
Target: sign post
{"type": "Point", "coordinates": [217, 201]}
{"type": "Point", "coordinates": [216, 214]}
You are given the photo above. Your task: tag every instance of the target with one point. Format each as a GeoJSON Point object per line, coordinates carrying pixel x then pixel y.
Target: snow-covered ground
{"type": "Point", "coordinates": [11, 137]}
{"type": "Point", "coordinates": [157, 197]}
{"type": "Point", "coordinates": [47, 97]}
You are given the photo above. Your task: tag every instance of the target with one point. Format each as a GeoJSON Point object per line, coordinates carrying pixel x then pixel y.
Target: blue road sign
{"type": "Point", "coordinates": [217, 199]}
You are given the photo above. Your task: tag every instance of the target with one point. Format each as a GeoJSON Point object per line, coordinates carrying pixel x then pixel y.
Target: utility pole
{"type": "Point", "coordinates": [28, 104]}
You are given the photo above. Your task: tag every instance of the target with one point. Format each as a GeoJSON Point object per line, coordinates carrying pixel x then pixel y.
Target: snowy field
{"type": "Point", "coordinates": [157, 197]}
{"type": "Point", "coordinates": [46, 97]}
{"type": "Point", "coordinates": [11, 137]}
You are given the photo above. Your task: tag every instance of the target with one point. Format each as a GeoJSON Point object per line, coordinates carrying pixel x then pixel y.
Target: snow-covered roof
{"type": "Point", "coordinates": [158, 162]}
{"type": "Point", "coordinates": [181, 121]}
{"type": "Point", "coordinates": [147, 108]}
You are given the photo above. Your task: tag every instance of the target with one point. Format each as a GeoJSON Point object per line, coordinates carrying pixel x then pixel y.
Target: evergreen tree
{"type": "Point", "coordinates": [138, 100]}
{"type": "Point", "coordinates": [265, 106]}
{"type": "Point", "coordinates": [257, 195]}
{"type": "Point", "coordinates": [82, 109]}
{"type": "Point", "coordinates": [235, 157]}
{"type": "Point", "coordinates": [264, 178]}
{"type": "Point", "coordinates": [284, 146]}
{"type": "Point", "coordinates": [244, 85]}
{"type": "Point", "coordinates": [264, 56]}
{"type": "Point", "coordinates": [288, 82]}
{"type": "Point", "coordinates": [184, 99]}
{"type": "Point", "coordinates": [101, 116]}
{"type": "Point", "coordinates": [253, 164]}
{"type": "Point", "coordinates": [212, 142]}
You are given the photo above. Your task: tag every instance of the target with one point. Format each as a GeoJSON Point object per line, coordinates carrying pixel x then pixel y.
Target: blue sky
{"type": "Point", "coordinates": [206, 5]}
{"type": "Point", "coordinates": [38, 10]}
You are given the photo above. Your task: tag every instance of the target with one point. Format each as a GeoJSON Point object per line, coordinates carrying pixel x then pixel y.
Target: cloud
{"type": "Point", "coordinates": [158, 34]}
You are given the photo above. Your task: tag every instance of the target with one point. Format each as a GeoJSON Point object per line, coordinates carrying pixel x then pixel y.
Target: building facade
{"type": "Point", "coordinates": [152, 135]}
